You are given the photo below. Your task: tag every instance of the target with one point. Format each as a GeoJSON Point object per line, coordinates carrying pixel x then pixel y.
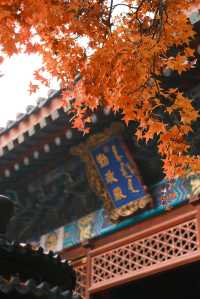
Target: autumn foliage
{"type": "Point", "coordinates": [119, 50]}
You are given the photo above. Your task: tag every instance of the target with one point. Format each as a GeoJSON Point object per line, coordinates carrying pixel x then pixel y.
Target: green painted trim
{"type": "Point", "coordinates": [138, 218]}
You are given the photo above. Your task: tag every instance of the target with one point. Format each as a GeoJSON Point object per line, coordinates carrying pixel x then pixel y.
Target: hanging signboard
{"type": "Point", "coordinates": [113, 174]}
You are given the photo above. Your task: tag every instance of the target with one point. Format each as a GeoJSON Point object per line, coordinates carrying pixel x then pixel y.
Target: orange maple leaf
{"type": "Point", "coordinates": [33, 88]}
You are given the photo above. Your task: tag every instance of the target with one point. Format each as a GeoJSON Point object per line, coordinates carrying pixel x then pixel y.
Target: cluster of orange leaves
{"type": "Point", "coordinates": [118, 59]}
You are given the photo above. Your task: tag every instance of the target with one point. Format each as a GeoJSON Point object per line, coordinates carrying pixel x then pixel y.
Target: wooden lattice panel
{"type": "Point", "coordinates": [81, 279]}
{"type": "Point", "coordinates": [147, 253]}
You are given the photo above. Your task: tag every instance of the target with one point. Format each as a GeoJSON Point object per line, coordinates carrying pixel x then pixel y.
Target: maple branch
{"type": "Point", "coordinates": [123, 4]}
{"type": "Point", "coordinates": [136, 14]}
{"type": "Point", "coordinates": [158, 20]}
{"type": "Point", "coordinates": [110, 14]}
{"type": "Point", "coordinates": [157, 85]}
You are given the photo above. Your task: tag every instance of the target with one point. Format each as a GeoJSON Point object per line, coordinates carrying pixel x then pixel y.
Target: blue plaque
{"type": "Point", "coordinates": [113, 174]}
{"type": "Point", "coordinates": [118, 173]}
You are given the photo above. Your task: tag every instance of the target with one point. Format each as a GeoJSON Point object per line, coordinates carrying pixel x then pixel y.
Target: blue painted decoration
{"type": "Point", "coordinates": [98, 224]}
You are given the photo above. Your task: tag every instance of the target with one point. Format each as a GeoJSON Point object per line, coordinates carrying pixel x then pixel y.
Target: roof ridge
{"type": "Point", "coordinates": [30, 109]}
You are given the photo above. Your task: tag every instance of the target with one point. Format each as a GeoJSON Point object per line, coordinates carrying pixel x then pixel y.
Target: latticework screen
{"type": "Point", "coordinates": [81, 279]}
{"type": "Point", "coordinates": [147, 253]}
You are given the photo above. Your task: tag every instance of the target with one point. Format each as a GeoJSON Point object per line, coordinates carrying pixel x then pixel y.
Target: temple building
{"type": "Point", "coordinates": [101, 200]}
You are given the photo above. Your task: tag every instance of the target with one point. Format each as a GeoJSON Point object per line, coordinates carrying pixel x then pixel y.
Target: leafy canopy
{"type": "Point", "coordinates": [119, 58]}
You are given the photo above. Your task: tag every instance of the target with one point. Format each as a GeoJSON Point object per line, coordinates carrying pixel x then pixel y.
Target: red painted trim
{"type": "Point", "coordinates": [27, 123]}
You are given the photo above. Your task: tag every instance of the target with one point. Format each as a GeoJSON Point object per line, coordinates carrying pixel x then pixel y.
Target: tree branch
{"type": "Point", "coordinates": [110, 14]}
{"type": "Point", "coordinates": [123, 4]}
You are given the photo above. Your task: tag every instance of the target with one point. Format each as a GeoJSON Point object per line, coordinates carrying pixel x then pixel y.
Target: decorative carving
{"type": "Point", "coordinates": [83, 151]}
{"type": "Point", "coordinates": [85, 227]}
{"type": "Point", "coordinates": [195, 189]}
{"type": "Point", "coordinates": [53, 200]}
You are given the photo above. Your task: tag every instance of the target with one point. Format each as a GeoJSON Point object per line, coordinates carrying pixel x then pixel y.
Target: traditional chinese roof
{"type": "Point", "coordinates": [14, 288]}
{"type": "Point", "coordinates": [34, 136]}
{"type": "Point", "coordinates": [25, 124]}
{"type": "Point", "coordinates": [28, 263]}
{"type": "Point", "coordinates": [29, 273]}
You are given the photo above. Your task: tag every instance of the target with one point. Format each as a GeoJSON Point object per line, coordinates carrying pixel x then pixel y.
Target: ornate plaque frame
{"type": "Point", "coordinates": [83, 150]}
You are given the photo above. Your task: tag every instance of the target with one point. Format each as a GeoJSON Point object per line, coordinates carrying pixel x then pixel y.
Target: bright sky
{"type": "Point", "coordinates": [14, 85]}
